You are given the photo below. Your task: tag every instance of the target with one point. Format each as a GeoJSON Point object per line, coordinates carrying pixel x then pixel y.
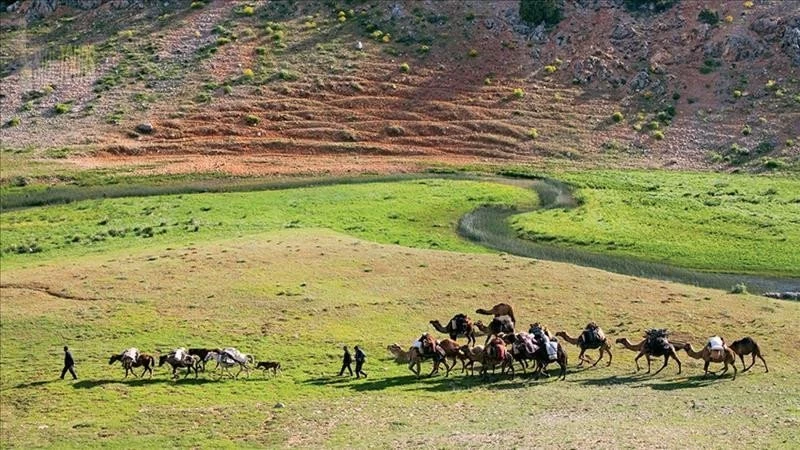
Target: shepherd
{"type": "Point", "coordinates": [361, 358]}
{"type": "Point", "coordinates": [69, 364]}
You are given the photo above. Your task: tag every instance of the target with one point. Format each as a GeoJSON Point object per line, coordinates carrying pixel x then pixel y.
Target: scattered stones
{"type": "Point", "coordinates": [279, 405]}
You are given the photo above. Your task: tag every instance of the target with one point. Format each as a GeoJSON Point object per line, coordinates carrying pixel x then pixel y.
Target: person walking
{"type": "Point", "coordinates": [69, 364]}
{"type": "Point", "coordinates": [361, 358]}
{"type": "Point", "coordinates": [347, 360]}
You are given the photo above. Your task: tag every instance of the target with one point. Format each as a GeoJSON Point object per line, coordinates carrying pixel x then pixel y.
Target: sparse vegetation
{"type": "Point", "coordinates": [473, 53]}
{"type": "Point", "coordinates": [518, 93]}
{"type": "Point", "coordinates": [252, 120]}
{"type": "Point", "coordinates": [708, 16]}
{"type": "Point", "coordinates": [405, 68]}
{"type": "Point", "coordinates": [533, 133]}
{"type": "Point", "coordinates": [539, 11]}
{"type": "Point", "coordinates": [739, 288]}
{"type": "Point", "coordinates": [550, 68]}
{"type": "Point", "coordinates": [746, 130]}
{"type": "Point", "coordinates": [62, 108]}
{"type": "Point", "coordinates": [14, 122]}
{"type": "Point", "coordinates": [617, 117]}
{"type": "Point", "coordinates": [657, 135]}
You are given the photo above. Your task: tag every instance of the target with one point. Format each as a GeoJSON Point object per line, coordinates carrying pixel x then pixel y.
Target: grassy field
{"type": "Point", "coordinates": [708, 221]}
{"type": "Point", "coordinates": [297, 295]}
{"type": "Point", "coordinates": [420, 213]}
{"type": "Point", "coordinates": [272, 274]}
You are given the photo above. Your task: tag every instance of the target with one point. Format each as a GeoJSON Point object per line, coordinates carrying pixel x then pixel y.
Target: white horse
{"type": "Point", "coordinates": [227, 359]}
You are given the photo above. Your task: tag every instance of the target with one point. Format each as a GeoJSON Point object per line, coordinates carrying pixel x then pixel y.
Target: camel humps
{"type": "Point", "coordinates": [747, 346]}
{"type": "Point", "coordinates": [726, 356]}
{"type": "Point", "coordinates": [592, 337]}
{"type": "Point", "coordinates": [500, 309]}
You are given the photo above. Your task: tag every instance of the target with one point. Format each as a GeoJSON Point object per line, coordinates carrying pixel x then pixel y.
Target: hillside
{"type": "Point", "coordinates": [283, 87]}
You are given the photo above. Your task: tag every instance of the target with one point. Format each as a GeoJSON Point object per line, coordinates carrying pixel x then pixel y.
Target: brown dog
{"type": "Point", "coordinates": [275, 366]}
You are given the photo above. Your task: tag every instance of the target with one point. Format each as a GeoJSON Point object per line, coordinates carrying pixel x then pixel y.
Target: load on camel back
{"type": "Point", "coordinates": [717, 345]}
{"type": "Point", "coordinates": [232, 356]}
{"type": "Point", "coordinates": [593, 335]}
{"type": "Point", "coordinates": [541, 336]}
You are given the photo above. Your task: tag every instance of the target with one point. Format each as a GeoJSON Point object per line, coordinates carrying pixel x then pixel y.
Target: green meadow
{"type": "Point", "coordinates": [292, 275]}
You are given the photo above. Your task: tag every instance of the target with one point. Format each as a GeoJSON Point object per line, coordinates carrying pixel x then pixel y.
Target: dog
{"type": "Point", "coordinates": [275, 366]}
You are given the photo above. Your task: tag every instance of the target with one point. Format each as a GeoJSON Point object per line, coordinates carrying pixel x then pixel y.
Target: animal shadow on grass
{"type": "Point", "coordinates": [658, 385]}
{"type": "Point", "coordinates": [89, 384]}
{"type": "Point", "coordinates": [34, 384]}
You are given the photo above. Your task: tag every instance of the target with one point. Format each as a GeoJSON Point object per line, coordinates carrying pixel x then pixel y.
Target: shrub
{"type": "Point", "coordinates": [737, 93]}
{"type": "Point", "coordinates": [656, 5]}
{"type": "Point", "coordinates": [14, 122]}
{"type": "Point", "coordinates": [261, 50]}
{"type": "Point", "coordinates": [550, 69]}
{"type": "Point", "coordinates": [533, 133]}
{"type": "Point", "coordinates": [62, 108]}
{"type": "Point", "coordinates": [252, 120]}
{"type": "Point", "coordinates": [676, 96]}
{"type": "Point", "coordinates": [487, 81]}
{"type": "Point", "coordinates": [729, 19]}
{"type": "Point", "coordinates": [424, 49]}
{"type": "Point", "coordinates": [771, 85]}
{"type": "Point", "coordinates": [518, 93]}
{"type": "Point", "coordinates": [748, 4]}
{"type": "Point", "coordinates": [617, 117]}
{"type": "Point", "coordinates": [739, 288]}
{"type": "Point", "coordinates": [773, 164]}
{"type": "Point", "coordinates": [746, 130]}
{"type": "Point", "coordinates": [196, 5]}
{"type": "Point", "coordinates": [395, 130]}
{"type": "Point", "coordinates": [386, 38]}
{"type": "Point", "coordinates": [473, 53]}
{"type": "Point", "coordinates": [708, 16]}
{"type": "Point", "coordinates": [248, 10]}
{"type": "Point", "coordinates": [248, 73]}
{"type": "Point", "coordinates": [223, 40]}
{"type": "Point", "coordinates": [287, 75]}
{"type": "Point", "coordinates": [203, 97]}
{"type": "Point", "coordinates": [654, 125]}
{"type": "Point", "coordinates": [538, 11]}
{"type": "Point", "coordinates": [790, 142]}
{"type": "Point", "coordinates": [405, 68]}
{"type": "Point", "coordinates": [658, 135]}
{"type": "Point", "coordinates": [228, 89]}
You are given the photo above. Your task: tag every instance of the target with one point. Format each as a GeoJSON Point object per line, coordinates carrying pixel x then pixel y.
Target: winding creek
{"type": "Point", "coordinates": [488, 226]}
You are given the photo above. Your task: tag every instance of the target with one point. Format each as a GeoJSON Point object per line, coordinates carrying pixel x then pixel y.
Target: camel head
{"type": "Point", "coordinates": [561, 334]}
{"type": "Point", "coordinates": [621, 340]}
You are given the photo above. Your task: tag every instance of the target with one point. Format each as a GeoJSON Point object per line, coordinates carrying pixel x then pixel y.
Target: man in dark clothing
{"type": "Point", "coordinates": [69, 364]}
{"type": "Point", "coordinates": [346, 361]}
{"type": "Point", "coordinates": [361, 357]}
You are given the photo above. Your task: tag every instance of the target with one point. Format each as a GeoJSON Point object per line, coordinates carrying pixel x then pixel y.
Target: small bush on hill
{"type": "Point", "coordinates": [395, 130]}
{"type": "Point", "coordinates": [708, 16]}
{"type": "Point", "coordinates": [405, 68]}
{"type": "Point", "coordinates": [538, 11]}
{"type": "Point", "coordinates": [518, 93]}
{"type": "Point", "coordinates": [533, 133]}
{"type": "Point", "coordinates": [473, 53]}
{"type": "Point", "coordinates": [62, 108]}
{"type": "Point", "coordinates": [739, 288]}
{"type": "Point", "coordinates": [658, 135]}
{"type": "Point", "coordinates": [550, 69]}
{"type": "Point", "coordinates": [617, 117]}
{"type": "Point", "coordinates": [252, 120]}
{"type": "Point", "coordinates": [746, 130]}
{"type": "Point", "coordinates": [14, 122]}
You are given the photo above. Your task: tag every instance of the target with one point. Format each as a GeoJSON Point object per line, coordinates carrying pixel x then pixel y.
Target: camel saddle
{"type": "Point", "coordinates": [593, 335]}
{"type": "Point", "coordinates": [716, 345]}
{"type": "Point", "coordinates": [497, 349]}
{"type": "Point", "coordinates": [459, 323]}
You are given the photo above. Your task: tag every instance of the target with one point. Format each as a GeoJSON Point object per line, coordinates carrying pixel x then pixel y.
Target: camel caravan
{"type": "Point", "coordinates": [503, 347]}
{"type": "Point", "coordinates": [194, 360]}
{"type": "Point", "coordinates": [537, 348]}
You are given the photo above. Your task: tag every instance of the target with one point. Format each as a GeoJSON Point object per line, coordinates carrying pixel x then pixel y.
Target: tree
{"type": "Point", "coordinates": [538, 11]}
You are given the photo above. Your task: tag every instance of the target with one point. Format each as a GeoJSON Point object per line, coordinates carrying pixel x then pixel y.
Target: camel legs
{"type": "Point", "coordinates": [636, 360]}
{"type": "Point", "coordinates": [705, 368]}
{"type": "Point", "coordinates": [666, 360]}
{"type": "Point", "coordinates": [754, 361]}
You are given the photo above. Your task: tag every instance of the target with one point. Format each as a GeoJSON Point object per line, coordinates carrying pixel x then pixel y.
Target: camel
{"type": "Point", "coordinates": [144, 360]}
{"type": "Point", "coordinates": [454, 329]}
{"type": "Point", "coordinates": [400, 355]}
{"type": "Point", "coordinates": [190, 362]}
{"type": "Point", "coordinates": [727, 357]}
{"type": "Point", "coordinates": [667, 351]}
{"type": "Point", "coordinates": [746, 346]}
{"type": "Point", "coordinates": [500, 324]}
{"type": "Point", "coordinates": [469, 356]}
{"type": "Point", "coordinates": [202, 353]}
{"type": "Point", "coordinates": [585, 342]}
{"type": "Point", "coordinates": [437, 350]}
{"type": "Point", "coordinates": [495, 355]}
{"type": "Point", "coordinates": [525, 348]}
{"type": "Point", "coordinates": [500, 309]}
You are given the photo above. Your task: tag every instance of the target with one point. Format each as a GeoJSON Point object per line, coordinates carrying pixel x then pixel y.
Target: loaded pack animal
{"type": "Point", "coordinates": [128, 363]}
{"type": "Point", "coordinates": [494, 355]}
{"type": "Point", "coordinates": [229, 358]}
{"type": "Point", "coordinates": [426, 347]}
{"type": "Point", "coordinates": [500, 309]}
{"type": "Point", "coordinates": [459, 325]}
{"type": "Point", "coordinates": [747, 346]}
{"type": "Point", "coordinates": [592, 337]}
{"type": "Point", "coordinates": [655, 343]}
{"type": "Point", "coordinates": [179, 359]}
{"type": "Point", "coordinates": [202, 353]}
{"type": "Point", "coordinates": [500, 324]}
{"type": "Point", "coordinates": [711, 353]}
{"type": "Point", "coordinates": [525, 347]}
